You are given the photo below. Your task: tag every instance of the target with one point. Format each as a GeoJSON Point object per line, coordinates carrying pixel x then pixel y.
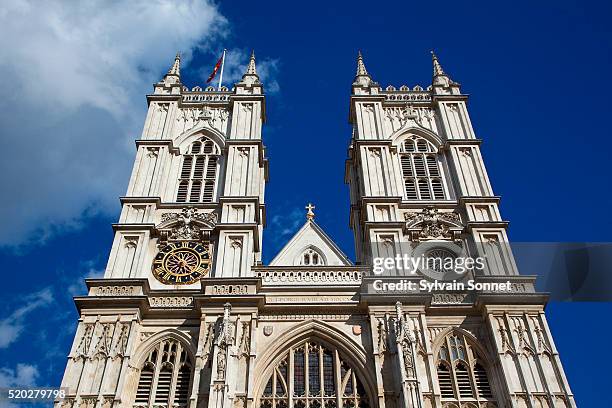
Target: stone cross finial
{"type": "Point", "coordinates": [310, 214]}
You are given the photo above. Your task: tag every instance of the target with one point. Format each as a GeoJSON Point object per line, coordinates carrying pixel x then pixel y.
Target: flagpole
{"type": "Point", "coordinates": [222, 64]}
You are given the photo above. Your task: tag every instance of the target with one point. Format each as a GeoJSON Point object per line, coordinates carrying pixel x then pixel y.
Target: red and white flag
{"type": "Point", "coordinates": [213, 74]}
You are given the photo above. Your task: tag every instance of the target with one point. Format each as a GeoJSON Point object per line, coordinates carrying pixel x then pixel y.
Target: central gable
{"type": "Point", "coordinates": [310, 246]}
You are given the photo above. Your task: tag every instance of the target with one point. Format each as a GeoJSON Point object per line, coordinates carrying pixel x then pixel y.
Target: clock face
{"type": "Point", "coordinates": [181, 263]}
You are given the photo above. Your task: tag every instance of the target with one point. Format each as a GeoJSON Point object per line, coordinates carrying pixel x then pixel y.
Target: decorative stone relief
{"type": "Point", "coordinates": [186, 225]}
{"type": "Point", "coordinates": [409, 116]}
{"type": "Point", "coordinates": [244, 346]}
{"type": "Point", "coordinates": [212, 117]}
{"type": "Point", "coordinates": [121, 343]}
{"type": "Point", "coordinates": [268, 330]}
{"type": "Point", "coordinates": [432, 224]}
{"type": "Point", "coordinates": [382, 336]}
{"type": "Point", "coordinates": [84, 343]}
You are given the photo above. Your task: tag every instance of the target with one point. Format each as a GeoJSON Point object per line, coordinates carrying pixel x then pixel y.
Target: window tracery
{"type": "Point", "coordinates": [306, 377]}
{"type": "Point", "coordinates": [461, 373]}
{"type": "Point", "coordinates": [421, 170]}
{"type": "Point", "coordinates": [198, 175]}
{"type": "Point", "coordinates": [165, 376]}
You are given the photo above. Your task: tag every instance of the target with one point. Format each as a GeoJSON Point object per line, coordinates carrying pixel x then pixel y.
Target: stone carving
{"type": "Point", "coordinates": [432, 224]}
{"type": "Point", "coordinates": [171, 301]}
{"type": "Point", "coordinates": [83, 347]}
{"type": "Point", "coordinates": [310, 277]}
{"type": "Point", "coordinates": [114, 291]}
{"type": "Point", "coordinates": [88, 402]}
{"type": "Point", "coordinates": [409, 116]}
{"type": "Point", "coordinates": [67, 403]}
{"type": "Point", "coordinates": [382, 336]}
{"type": "Point", "coordinates": [405, 340]}
{"type": "Point", "coordinates": [244, 347]}
{"type": "Point", "coordinates": [230, 289]}
{"type": "Point", "coordinates": [186, 225]}
{"type": "Point", "coordinates": [221, 363]}
{"type": "Point", "coordinates": [104, 341]}
{"type": "Point", "coordinates": [268, 330]}
{"type": "Point", "coordinates": [212, 117]}
{"type": "Point", "coordinates": [449, 298]}
{"type": "Point", "coordinates": [208, 342]}
{"type": "Point", "coordinates": [239, 402]}
{"type": "Point", "coordinates": [224, 341]}
{"type": "Point", "coordinates": [121, 343]}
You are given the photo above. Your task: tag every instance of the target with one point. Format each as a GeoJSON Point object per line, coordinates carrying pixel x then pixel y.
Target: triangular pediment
{"type": "Point", "coordinates": [310, 238]}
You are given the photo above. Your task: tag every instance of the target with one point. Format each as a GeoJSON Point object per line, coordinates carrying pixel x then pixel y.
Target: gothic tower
{"type": "Point", "coordinates": [188, 316]}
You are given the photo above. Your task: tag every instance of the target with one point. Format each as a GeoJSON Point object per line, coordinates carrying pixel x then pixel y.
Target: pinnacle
{"type": "Point", "coordinates": [437, 68]}
{"type": "Point", "coordinates": [251, 69]}
{"type": "Point", "coordinates": [361, 69]}
{"type": "Point", "coordinates": [176, 67]}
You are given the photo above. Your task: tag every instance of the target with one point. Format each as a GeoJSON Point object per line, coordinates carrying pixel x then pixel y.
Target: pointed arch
{"type": "Point", "coordinates": [423, 167]}
{"type": "Point", "coordinates": [185, 139]}
{"type": "Point", "coordinates": [163, 370]}
{"type": "Point", "coordinates": [329, 338]}
{"type": "Point", "coordinates": [398, 136]}
{"type": "Point", "coordinates": [463, 367]}
{"type": "Point", "coordinates": [310, 255]}
{"type": "Point", "coordinates": [200, 168]}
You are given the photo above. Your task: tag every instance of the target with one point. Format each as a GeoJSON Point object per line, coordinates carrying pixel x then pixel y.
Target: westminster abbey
{"type": "Point", "coordinates": [187, 315]}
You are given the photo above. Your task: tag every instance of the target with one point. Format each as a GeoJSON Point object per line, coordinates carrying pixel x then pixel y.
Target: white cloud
{"type": "Point", "coordinates": [283, 225]}
{"type": "Point", "coordinates": [24, 375]}
{"type": "Point", "coordinates": [77, 286]}
{"type": "Point", "coordinates": [75, 75]}
{"type": "Point", "coordinates": [12, 326]}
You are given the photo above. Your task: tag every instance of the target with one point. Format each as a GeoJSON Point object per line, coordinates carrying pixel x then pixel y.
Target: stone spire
{"type": "Point", "coordinates": [250, 76]}
{"type": "Point", "coordinates": [437, 68]}
{"type": "Point", "coordinates": [361, 69]}
{"type": "Point", "coordinates": [174, 73]}
{"type": "Point", "coordinates": [362, 78]}
{"type": "Point", "coordinates": [440, 78]}
{"type": "Point", "coordinates": [176, 67]}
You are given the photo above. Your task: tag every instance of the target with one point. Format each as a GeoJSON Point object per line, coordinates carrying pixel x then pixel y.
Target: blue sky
{"type": "Point", "coordinates": [538, 76]}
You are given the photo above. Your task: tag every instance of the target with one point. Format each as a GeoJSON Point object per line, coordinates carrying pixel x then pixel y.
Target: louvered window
{"type": "Point", "coordinates": [165, 378]}
{"type": "Point", "coordinates": [313, 369]}
{"type": "Point", "coordinates": [198, 175]}
{"type": "Point", "coordinates": [445, 381]}
{"type": "Point", "coordinates": [482, 381]}
{"type": "Point", "coordinates": [461, 374]}
{"type": "Point", "coordinates": [421, 170]}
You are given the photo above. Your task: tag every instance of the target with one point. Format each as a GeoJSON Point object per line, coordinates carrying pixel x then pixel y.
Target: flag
{"type": "Point", "coordinates": [215, 69]}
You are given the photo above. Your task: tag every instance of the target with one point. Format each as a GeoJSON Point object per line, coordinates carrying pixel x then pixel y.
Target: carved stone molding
{"type": "Point", "coordinates": [114, 291]}
{"type": "Point", "coordinates": [171, 301]}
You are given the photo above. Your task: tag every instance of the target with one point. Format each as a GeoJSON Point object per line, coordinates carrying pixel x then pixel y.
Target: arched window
{"type": "Point", "coordinates": [316, 376]}
{"type": "Point", "coordinates": [461, 373]}
{"type": "Point", "coordinates": [311, 257]}
{"type": "Point", "coordinates": [165, 376]}
{"type": "Point", "coordinates": [198, 175]}
{"type": "Point", "coordinates": [421, 170]}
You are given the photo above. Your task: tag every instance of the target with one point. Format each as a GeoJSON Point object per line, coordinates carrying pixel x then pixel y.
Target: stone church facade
{"type": "Point", "coordinates": [188, 316]}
